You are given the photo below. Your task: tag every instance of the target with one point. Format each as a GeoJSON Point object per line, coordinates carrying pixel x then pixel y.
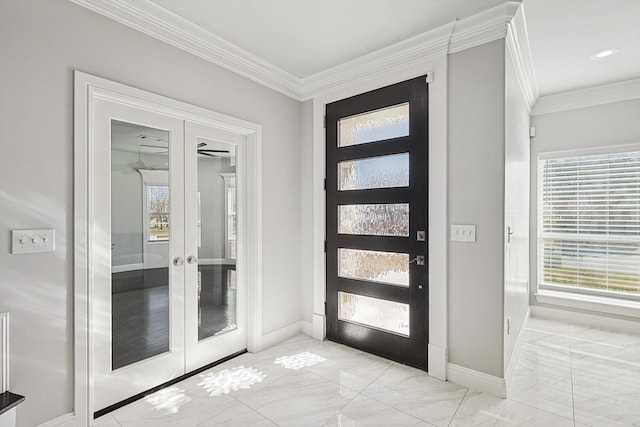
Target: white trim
{"type": "Point", "coordinates": [87, 90]}
{"type": "Point", "coordinates": [515, 354]}
{"type": "Point", "coordinates": [483, 27]}
{"type": "Point", "coordinates": [585, 319]}
{"type": "Point", "coordinates": [437, 361]}
{"type": "Point", "coordinates": [155, 21]}
{"type": "Point", "coordinates": [281, 334]}
{"type": "Point", "coordinates": [589, 97]}
{"type": "Point", "coordinates": [4, 352]}
{"type": "Point", "coordinates": [477, 380]}
{"type": "Point", "coordinates": [593, 303]}
{"type": "Point", "coordinates": [579, 152]}
{"type": "Point", "coordinates": [66, 420]}
{"type": "Point", "coordinates": [517, 42]}
{"type": "Point", "coordinates": [126, 267]}
{"type": "Point", "coordinates": [438, 241]}
{"type": "Point", "coordinates": [217, 261]}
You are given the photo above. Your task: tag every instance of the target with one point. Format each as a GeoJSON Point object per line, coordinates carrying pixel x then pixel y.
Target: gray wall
{"type": "Point", "coordinates": [41, 43]}
{"type": "Point", "coordinates": [307, 208]}
{"type": "Point", "coordinates": [516, 209]}
{"type": "Point", "coordinates": [126, 210]}
{"type": "Point", "coordinates": [476, 196]}
{"type": "Point", "coordinates": [592, 127]}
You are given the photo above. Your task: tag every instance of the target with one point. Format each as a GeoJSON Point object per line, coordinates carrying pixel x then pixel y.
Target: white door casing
{"type": "Point", "coordinates": [89, 92]}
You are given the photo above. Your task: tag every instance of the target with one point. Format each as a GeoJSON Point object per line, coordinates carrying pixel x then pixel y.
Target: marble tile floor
{"type": "Point", "coordinates": [566, 375]}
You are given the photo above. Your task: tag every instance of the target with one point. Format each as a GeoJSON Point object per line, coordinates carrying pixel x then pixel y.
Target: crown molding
{"type": "Point", "coordinates": [589, 97]}
{"type": "Point", "coordinates": [483, 27]}
{"type": "Point", "coordinates": [475, 30]}
{"type": "Point", "coordinates": [413, 51]}
{"type": "Point", "coordinates": [155, 21]}
{"type": "Point", "coordinates": [518, 46]}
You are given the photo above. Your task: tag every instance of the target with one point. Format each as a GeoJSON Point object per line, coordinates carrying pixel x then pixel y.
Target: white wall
{"type": "Point", "coordinates": [516, 209]}
{"type": "Point", "coordinates": [476, 196]}
{"type": "Point", "coordinates": [604, 125]}
{"type": "Point", "coordinates": [41, 43]}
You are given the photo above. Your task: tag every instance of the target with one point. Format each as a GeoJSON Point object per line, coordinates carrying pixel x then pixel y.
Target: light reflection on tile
{"type": "Point", "coordinates": [168, 400]}
{"type": "Point", "coordinates": [298, 361]}
{"type": "Point", "coordinates": [227, 380]}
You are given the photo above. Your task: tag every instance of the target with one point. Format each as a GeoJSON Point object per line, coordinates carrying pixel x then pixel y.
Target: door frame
{"type": "Point", "coordinates": [436, 66]}
{"type": "Point", "coordinates": [87, 90]}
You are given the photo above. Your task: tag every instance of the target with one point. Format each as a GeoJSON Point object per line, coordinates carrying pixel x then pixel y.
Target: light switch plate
{"type": "Point", "coordinates": [30, 241]}
{"type": "Point", "coordinates": [463, 233]}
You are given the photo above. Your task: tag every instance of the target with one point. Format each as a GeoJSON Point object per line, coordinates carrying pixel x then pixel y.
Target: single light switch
{"type": "Point", "coordinates": [30, 241]}
{"type": "Point", "coordinates": [463, 233]}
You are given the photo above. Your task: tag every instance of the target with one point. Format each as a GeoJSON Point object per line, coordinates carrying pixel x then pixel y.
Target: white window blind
{"type": "Point", "coordinates": [589, 223]}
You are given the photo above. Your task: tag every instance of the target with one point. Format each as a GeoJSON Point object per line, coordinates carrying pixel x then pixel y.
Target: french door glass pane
{"type": "Point", "coordinates": [377, 313]}
{"type": "Point", "coordinates": [374, 172]}
{"type": "Point", "coordinates": [217, 238]}
{"type": "Point", "coordinates": [389, 219]}
{"type": "Point", "coordinates": [387, 123]}
{"type": "Point", "coordinates": [383, 267]}
{"type": "Point", "coordinates": [139, 243]}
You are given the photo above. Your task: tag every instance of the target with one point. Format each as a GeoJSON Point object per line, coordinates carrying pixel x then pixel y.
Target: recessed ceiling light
{"type": "Point", "coordinates": [604, 54]}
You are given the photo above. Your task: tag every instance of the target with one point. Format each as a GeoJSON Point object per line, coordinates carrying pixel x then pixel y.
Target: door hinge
{"type": "Point", "coordinates": [429, 77]}
{"type": "Point", "coordinates": [325, 122]}
{"type": "Point", "coordinates": [325, 308]}
{"type": "Point", "coordinates": [325, 183]}
{"type": "Point", "coordinates": [325, 246]}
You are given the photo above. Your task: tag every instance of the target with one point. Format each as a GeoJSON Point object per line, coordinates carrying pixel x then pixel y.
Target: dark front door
{"type": "Point", "coordinates": [377, 294]}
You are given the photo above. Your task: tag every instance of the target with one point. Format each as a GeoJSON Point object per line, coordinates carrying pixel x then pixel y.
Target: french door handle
{"type": "Point", "coordinates": [192, 259]}
{"type": "Point", "coordinates": [178, 261]}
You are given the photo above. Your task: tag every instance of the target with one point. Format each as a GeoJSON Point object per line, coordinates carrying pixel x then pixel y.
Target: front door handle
{"type": "Point", "coordinates": [192, 259]}
{"type": "Point", "coordinates": [419, 260]}
{"type": "Point", "coordinates": [178, 261]}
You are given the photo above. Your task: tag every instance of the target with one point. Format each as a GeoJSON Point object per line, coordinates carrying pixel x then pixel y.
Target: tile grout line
{"type": "Point", "coordinates": [459, 405]}
{"type": "Point", "coordinates": [573, 403]}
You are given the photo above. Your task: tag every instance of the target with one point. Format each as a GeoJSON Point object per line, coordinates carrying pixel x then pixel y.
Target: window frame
{"type": "Point", "coordinates": [147, 213]}
{"type": "Point", "coordinates": [556, 293]}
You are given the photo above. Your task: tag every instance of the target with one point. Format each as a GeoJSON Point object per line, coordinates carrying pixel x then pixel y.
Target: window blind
{"type": "Point", "coordinates": [589, 223]}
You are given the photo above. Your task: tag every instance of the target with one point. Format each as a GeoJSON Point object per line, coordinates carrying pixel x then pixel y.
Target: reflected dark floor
{"type": "Point", "coordinates": [140, 310]}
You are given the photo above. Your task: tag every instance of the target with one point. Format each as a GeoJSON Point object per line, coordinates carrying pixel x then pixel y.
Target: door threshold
{"type": "Point", "coordinates": [171, 382]}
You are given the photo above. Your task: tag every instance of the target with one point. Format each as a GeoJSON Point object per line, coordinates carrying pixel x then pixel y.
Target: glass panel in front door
{"type": "Point", "coordinates": [217, 221]}
{"type": "Point", "coordinates": [140, 236]}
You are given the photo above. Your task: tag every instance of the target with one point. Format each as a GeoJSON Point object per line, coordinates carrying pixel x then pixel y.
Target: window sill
{"type": "Point", "coordinates": [590, 302]}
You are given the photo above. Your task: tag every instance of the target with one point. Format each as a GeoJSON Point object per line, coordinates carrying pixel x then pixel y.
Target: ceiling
{"type": "Point", "coordinates": [296, 46]}
{"type": "Point", "coordinates": [305, 37]}
{"type": "Point", "coordinates": [564, 34]}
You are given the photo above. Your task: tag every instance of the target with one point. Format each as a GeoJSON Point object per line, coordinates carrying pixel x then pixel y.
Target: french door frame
{"type": "Point", "coordinates": [436, 68]}
{"type": "Point", "coordinates": [88, 89]}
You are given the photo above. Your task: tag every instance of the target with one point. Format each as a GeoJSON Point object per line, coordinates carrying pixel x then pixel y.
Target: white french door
{"type": "Point", "coordinates": [213, 333]}
{"type": "Point", "coordinates": [165, 299]}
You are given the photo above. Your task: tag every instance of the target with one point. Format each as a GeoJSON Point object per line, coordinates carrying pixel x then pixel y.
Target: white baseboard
{"type": "Point", "coordinates": [126, 267]}
{"type": "Point", "coordinates": [217, 261]}
{"type": "Point", "coordinates": [584, 319]}
{"type": "Point", "coordinates": [66, 420]}
{"type": "Point", "coordinates": [477, 380]}
{"type": "Point", "coordinates": [307, 327]}
{"type": "Point", "coordinates": [279, 335]}
{"type": "Point", "coordinates": [515, 354]}
{"type": "Point", "coordinates": [437, 361]}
